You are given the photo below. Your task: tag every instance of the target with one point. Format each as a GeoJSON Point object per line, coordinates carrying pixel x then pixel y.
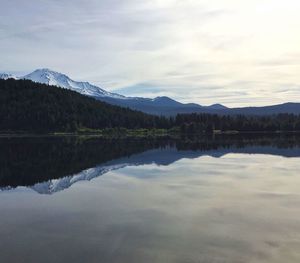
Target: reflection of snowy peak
{"type": "Point", "coordinates": [49, 77]}
{"type": "Point", "coordinates": [157, 156]}
{"type": "Point", "coordinates": [163, 156]}
{"type": "Point", "coordinates": [57, 185]}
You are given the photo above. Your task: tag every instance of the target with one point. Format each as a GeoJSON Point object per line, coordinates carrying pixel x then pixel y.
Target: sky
{"type": "Point", "coordinates": [233, 52]}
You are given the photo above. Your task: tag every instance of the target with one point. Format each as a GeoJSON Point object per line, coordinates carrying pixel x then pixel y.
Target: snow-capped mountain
{"type": "Point", "coordinates": [49, 77]}
{"type": "Point", "coordinates": [159, 105]}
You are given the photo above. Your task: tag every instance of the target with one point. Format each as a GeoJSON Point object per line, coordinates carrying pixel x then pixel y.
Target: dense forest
{"type": "Point", "coordinates": [195, 123]}
{"type": "Point", "coordinates": [26, 106]}
{"type": "Point", "coordinates": [33, 107]}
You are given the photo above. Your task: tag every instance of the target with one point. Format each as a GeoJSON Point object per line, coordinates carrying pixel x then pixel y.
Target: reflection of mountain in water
{"type": "Point", "coordinates": [54, 164]}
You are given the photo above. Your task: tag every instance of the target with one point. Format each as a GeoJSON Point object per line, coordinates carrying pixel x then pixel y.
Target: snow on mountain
{"type": "Point", "coordinates": [154, 106]}
{"type": "Point", "coordinates": [158, 106]}
{"type": "Point", "coordinates": [49, 77]}
{"type": "Point", "coordinates": [7, 76]}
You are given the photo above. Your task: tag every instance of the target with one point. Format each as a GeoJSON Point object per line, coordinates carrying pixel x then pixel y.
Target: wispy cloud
{"type": "Point", "coordinates": [230, 51]}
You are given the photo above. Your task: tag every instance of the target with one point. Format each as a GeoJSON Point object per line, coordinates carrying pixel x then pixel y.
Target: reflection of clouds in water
{"type": "Point", "coordinates": [246, 211]}
{"type": "Point", "coordinates": [225, 218]}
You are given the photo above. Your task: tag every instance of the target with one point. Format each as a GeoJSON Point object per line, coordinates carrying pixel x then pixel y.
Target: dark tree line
{"type": "Point", "coordinates": [206, 123]}
{"type": "Point", "coordinates": [32, 107]}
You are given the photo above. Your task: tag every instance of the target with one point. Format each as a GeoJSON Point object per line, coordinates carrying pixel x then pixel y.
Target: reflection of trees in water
{"type": "Point", "coordinates": [31, 160]}
{"type": "Point", "coordinates": [26, 161]}
{"type": "Point", "coordinates": [215, 142]}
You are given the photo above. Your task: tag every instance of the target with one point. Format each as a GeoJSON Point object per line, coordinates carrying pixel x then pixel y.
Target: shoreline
{"type": "Point", "coordinates": [135, 133]}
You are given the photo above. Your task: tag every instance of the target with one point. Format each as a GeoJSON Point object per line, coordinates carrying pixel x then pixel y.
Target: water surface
{"type": "Point", "coordinates": [223, 199]}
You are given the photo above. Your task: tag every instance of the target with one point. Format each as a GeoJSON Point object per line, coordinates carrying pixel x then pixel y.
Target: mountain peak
{"type": "Point", "coordinates": [217, 106]}
{"type": "Point", "coordinates": [163, 98]}
{"type": "Point", "coordinates": [51, 77]}
{"type": "Point", "coordinates": [46, 70]}
{"type": "Point", "coordinates": [48, 76]}
{"type": "Point", "coordinates": [166, 101]}
{"type": "Point", "coordinates": [49, 72]}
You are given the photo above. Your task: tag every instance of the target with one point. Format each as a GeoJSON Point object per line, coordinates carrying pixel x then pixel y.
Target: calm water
{"type": "Point", "coordinates": [224, 199]}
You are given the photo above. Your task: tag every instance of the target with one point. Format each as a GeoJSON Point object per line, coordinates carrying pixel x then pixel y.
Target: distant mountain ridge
{"type": "Point", "coordinates": [158, 106]}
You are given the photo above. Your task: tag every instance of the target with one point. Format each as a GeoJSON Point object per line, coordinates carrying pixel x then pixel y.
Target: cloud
{"type": "Point", "coordinates": [236, 52]}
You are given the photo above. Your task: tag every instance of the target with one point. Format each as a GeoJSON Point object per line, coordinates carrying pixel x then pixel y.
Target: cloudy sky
{"type": "Point", "coordinates": [228, 51]}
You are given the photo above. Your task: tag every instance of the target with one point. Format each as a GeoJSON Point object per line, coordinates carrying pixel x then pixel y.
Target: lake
{"type": "Point", "coordinates": [214, 199]}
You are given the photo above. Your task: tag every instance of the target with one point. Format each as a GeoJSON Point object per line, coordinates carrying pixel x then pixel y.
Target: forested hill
{"type": "Point", "coordinates": [26, 106]}
{"type": "Point", "coordinates": [32, 107]}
